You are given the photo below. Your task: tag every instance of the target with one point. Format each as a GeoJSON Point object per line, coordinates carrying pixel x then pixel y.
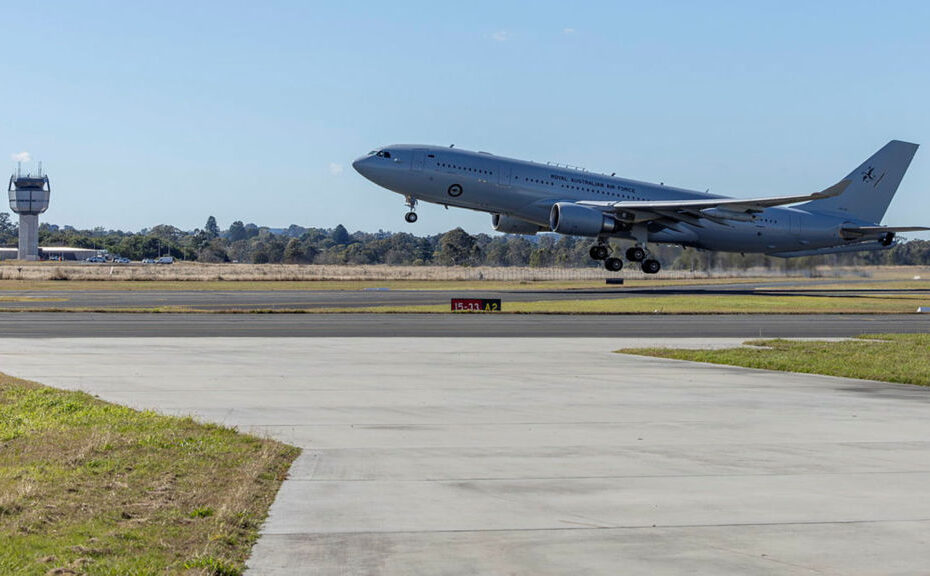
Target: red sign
{"type": "Point", "coordinates": [476, 305]}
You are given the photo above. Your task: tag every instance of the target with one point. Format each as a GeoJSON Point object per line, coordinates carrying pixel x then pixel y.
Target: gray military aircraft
{"type": "Point", "coordinates": [527, 197]}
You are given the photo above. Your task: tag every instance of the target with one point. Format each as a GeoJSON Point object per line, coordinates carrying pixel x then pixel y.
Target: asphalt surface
{"type": "Point", "coordinates": [81, 324]}
{"type": "Point", "coordinates": [537, 457]}
{"type": "Point", "coordinates": [235, 300]}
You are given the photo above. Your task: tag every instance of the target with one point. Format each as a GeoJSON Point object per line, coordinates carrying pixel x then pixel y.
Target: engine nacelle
{"type": "Point", "coordinates": [574, 220]}
{"type": "Point", "coordinates": [511, 225]}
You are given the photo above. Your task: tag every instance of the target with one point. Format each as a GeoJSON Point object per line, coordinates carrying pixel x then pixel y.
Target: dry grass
{"type": "Point", "coordinates": [88, 487]}
{"type": "Point", "coordinates": [65, 272]}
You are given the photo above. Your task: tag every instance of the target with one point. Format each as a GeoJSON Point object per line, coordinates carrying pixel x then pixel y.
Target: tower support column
{"type": "Point", "coordinates": [29, 237]}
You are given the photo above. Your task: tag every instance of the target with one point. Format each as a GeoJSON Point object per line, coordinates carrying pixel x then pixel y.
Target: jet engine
{"type": "Point", "coordinates": [511, 225]}
{"type": "Point", "coordinates": [574, 220]}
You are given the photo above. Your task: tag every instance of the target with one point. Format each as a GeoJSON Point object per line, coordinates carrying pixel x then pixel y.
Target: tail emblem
{"type": "Point", "coordinates": [869, 176]}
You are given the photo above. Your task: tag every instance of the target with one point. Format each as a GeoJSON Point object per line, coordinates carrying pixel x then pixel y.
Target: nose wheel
{"type": "Point", "coordinates": [411, 216]}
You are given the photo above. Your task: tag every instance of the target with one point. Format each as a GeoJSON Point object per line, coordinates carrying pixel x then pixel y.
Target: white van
{"type": "Point", "coordinates": [165, 260]}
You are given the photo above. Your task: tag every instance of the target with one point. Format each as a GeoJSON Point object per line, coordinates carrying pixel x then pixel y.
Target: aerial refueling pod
{"type": "Point", "coordinates": [511, 225]}
{"type": "Point", "coordinates": [574, 220]}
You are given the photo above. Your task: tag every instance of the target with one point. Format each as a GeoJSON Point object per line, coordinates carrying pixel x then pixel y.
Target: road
{"type": "Point", "coordinates": [81, 324]}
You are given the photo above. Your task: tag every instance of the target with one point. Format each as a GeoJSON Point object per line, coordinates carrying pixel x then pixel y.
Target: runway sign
{"type": "Point", "coordinates": [476, 304]}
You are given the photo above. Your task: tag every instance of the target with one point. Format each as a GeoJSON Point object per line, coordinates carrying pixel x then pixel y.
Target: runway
{"type": "Point", "coordinates": [271, 300]}
{"type": "Point", "coordinates": [134, 325]}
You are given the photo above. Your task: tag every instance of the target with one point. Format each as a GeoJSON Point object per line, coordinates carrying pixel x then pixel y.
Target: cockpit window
{"type": "Point", "coordinates": [384, 154]}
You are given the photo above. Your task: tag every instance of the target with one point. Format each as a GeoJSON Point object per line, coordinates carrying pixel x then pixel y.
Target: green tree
{"type": "Point", "coordinates": [8, 230]}
{"type": "Point", "coordinates": [457, 248]}
{"type": "Point", "coordinates": [237, 231]}
{"type": "Point", "coordinates": [293, 253]}
{"type": "Point", "coordinates": [211, 229]}
{"type": "Point", "coordinates": [340, 235]}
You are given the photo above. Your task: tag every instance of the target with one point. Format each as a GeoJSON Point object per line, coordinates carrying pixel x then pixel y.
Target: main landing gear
{"type": "Point", "coordinates": [411, 216]}
{"type": "Point", "coordinates": [638, 254]}
{"type": "Point", "coordinates": [601, 251]}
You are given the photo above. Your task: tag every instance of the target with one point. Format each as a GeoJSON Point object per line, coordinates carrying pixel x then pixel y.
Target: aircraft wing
{"type": "Point", "coordinates": [714, 209]}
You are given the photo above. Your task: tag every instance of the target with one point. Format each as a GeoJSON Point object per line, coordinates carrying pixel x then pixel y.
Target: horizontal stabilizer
{"type": "Point", "coordinates": [869, 246]}
{"type": "Point", "coordinates": [853, 232]}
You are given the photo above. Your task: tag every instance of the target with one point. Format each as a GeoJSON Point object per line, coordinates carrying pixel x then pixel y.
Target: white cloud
{"type": "Point", "coordinates": [500, 36]}
{"type": "Point", "coordinates": [335, 169]}
{"type": "Point", "coordinates": [21, 157]}
{"type": "Point", "coordinates": [568, 31]}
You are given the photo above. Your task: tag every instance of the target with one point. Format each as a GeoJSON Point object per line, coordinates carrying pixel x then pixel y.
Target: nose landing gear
{"type": "Point", "coordinates": [411, 216]}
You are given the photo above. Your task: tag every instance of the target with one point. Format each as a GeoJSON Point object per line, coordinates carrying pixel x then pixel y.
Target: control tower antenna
{"type": "Point", "coordinates": [29, 196]}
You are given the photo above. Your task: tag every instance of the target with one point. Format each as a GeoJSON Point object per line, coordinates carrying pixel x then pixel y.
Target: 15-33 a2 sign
{"type": "Point", "coordinates": [476, 304]}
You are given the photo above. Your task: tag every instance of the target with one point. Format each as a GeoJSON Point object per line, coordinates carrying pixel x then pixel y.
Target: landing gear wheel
{"type": "Point", "coordinates": [635, 254]}
{"type": "Point", "coordinates": [613, 264]}
{"type": "Point", "coordinates": [599, 252]}
{"type": "Point", "coordinates": [410, 217]}
{"type": "Point", "coordinates": [651, 266]}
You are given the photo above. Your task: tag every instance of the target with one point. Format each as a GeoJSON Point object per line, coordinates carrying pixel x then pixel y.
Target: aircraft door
{"type": "Point", "coordinates": [504, 174]}
{"type": "Point", "coordinates": [419, 158]}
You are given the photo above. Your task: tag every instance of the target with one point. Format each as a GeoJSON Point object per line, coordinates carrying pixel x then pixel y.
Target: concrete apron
{"type": "Point", "coordinates": [540, 456]}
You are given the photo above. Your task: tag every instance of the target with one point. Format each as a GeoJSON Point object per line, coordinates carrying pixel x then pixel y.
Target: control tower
{"type": "Point", "coordinates": [29, 197]}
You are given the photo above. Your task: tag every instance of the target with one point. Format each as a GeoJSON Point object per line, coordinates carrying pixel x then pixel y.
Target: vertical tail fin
{"type": "Point", "coordinates": [873, 185]}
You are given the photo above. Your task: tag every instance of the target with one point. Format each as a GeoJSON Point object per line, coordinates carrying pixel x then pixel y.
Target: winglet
{"type": "Point", "coordinates": [832, 191]}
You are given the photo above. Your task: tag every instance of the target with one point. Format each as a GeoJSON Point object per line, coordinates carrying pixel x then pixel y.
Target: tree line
{"type": "Point", "coordinates": [299, 245]}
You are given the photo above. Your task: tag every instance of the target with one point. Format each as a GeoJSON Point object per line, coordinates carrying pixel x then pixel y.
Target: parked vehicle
{"type": "Point", "coordinates": [148, 261]}
{"type": "Point", "coordinates": [121, 260]}
{"type": "Point", "coordinates": [165, 260]}
{"type": "Point", "coordinates": [96, 259]}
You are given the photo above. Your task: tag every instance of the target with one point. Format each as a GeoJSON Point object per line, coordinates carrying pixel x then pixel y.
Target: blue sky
{"type": "Point", "coordinates": [169, 112]}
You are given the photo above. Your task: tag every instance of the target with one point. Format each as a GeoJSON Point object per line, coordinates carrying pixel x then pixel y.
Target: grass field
{"type": "Point", "coordinates": [196, 272]}
{"type": "Point", "coordinates": [672, 304]}
{"type": "Point", "coordinates": [88, 487]}
{"type": "Point", "coordinates": [691, 304]}
{"type": "Point", "coordinates": [903, 358]}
